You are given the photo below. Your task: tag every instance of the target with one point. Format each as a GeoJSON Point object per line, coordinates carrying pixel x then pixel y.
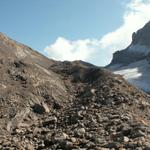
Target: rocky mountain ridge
{"type": "Point", "coordinates": [139, 48]}
{"type": "Point", "coordinates": [46, 104]}
{"type": "Point", "coordinates": [134, 61]}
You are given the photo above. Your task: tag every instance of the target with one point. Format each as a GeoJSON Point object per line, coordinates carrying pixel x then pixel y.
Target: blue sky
{"type": "Point", "coordinates": [73, 29]}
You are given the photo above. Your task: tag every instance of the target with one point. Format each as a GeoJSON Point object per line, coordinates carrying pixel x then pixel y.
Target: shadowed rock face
{"type": "Point", "coordinates": [125, 57]}
{"type": "Point", "coordinates": [46, 104]}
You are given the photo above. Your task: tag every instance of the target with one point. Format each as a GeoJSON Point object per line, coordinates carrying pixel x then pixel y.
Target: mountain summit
{"type": "Point", "coordinates": [134, 61]}
{"type": "Point", "coordinates": [47, 104]}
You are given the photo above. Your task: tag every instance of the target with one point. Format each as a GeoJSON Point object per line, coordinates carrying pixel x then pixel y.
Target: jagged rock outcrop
{"type": "Point", "coordinates": [46, 104]}
{"type": "Point", "coordinates": [142, 36]}
{"type": "Point", "coordinates": [133, 62]}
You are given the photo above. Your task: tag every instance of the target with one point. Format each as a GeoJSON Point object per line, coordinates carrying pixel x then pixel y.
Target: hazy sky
{"type": "Point", "coordinates": [90, 30]}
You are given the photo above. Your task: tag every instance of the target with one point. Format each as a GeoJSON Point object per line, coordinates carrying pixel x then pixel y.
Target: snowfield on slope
{"type": "Point", "coordinates": [138, 74]}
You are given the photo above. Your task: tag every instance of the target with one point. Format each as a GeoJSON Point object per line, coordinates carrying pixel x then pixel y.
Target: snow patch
{"type": "Point", "coordinates": [132, 73]}
{"type": "Point", "coordinates": [137, 74]}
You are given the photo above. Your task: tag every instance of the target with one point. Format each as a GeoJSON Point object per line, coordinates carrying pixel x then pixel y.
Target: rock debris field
{"type": "Point", "coordinates": [49, 105]}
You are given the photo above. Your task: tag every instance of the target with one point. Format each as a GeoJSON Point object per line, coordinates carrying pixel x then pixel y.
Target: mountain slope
{"type": "Point", "coordinates": [46, 104]}
{"type": "Point", "coordinates": [133, 62]}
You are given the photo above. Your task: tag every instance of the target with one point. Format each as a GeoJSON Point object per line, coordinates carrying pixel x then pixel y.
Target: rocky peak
{"type": "Point", "coordinates": [142, 36]}
{"type": "Point", "coordinates": [134, 61]}
{"type": "Point", "coordinates": [138, 50]}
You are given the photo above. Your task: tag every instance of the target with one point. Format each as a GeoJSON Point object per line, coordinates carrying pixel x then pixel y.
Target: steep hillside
{"type": "Point", "coordinates": [45, 104]}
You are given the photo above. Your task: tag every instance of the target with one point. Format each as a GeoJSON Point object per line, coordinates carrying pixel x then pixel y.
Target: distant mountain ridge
{"type": "Point", "coordinates": [134, 61]}
{"type": "Point", "coordinates": [138, 49]}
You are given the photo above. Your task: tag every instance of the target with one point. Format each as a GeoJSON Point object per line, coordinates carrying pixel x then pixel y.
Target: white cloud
{"type": "Point", "coordinates": [64, 49]}
{"type": "Point", "coordinates": [136, 14]}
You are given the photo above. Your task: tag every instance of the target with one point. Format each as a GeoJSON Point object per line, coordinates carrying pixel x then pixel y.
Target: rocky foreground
{"type": "Point", "coordinates": [51, 105]}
